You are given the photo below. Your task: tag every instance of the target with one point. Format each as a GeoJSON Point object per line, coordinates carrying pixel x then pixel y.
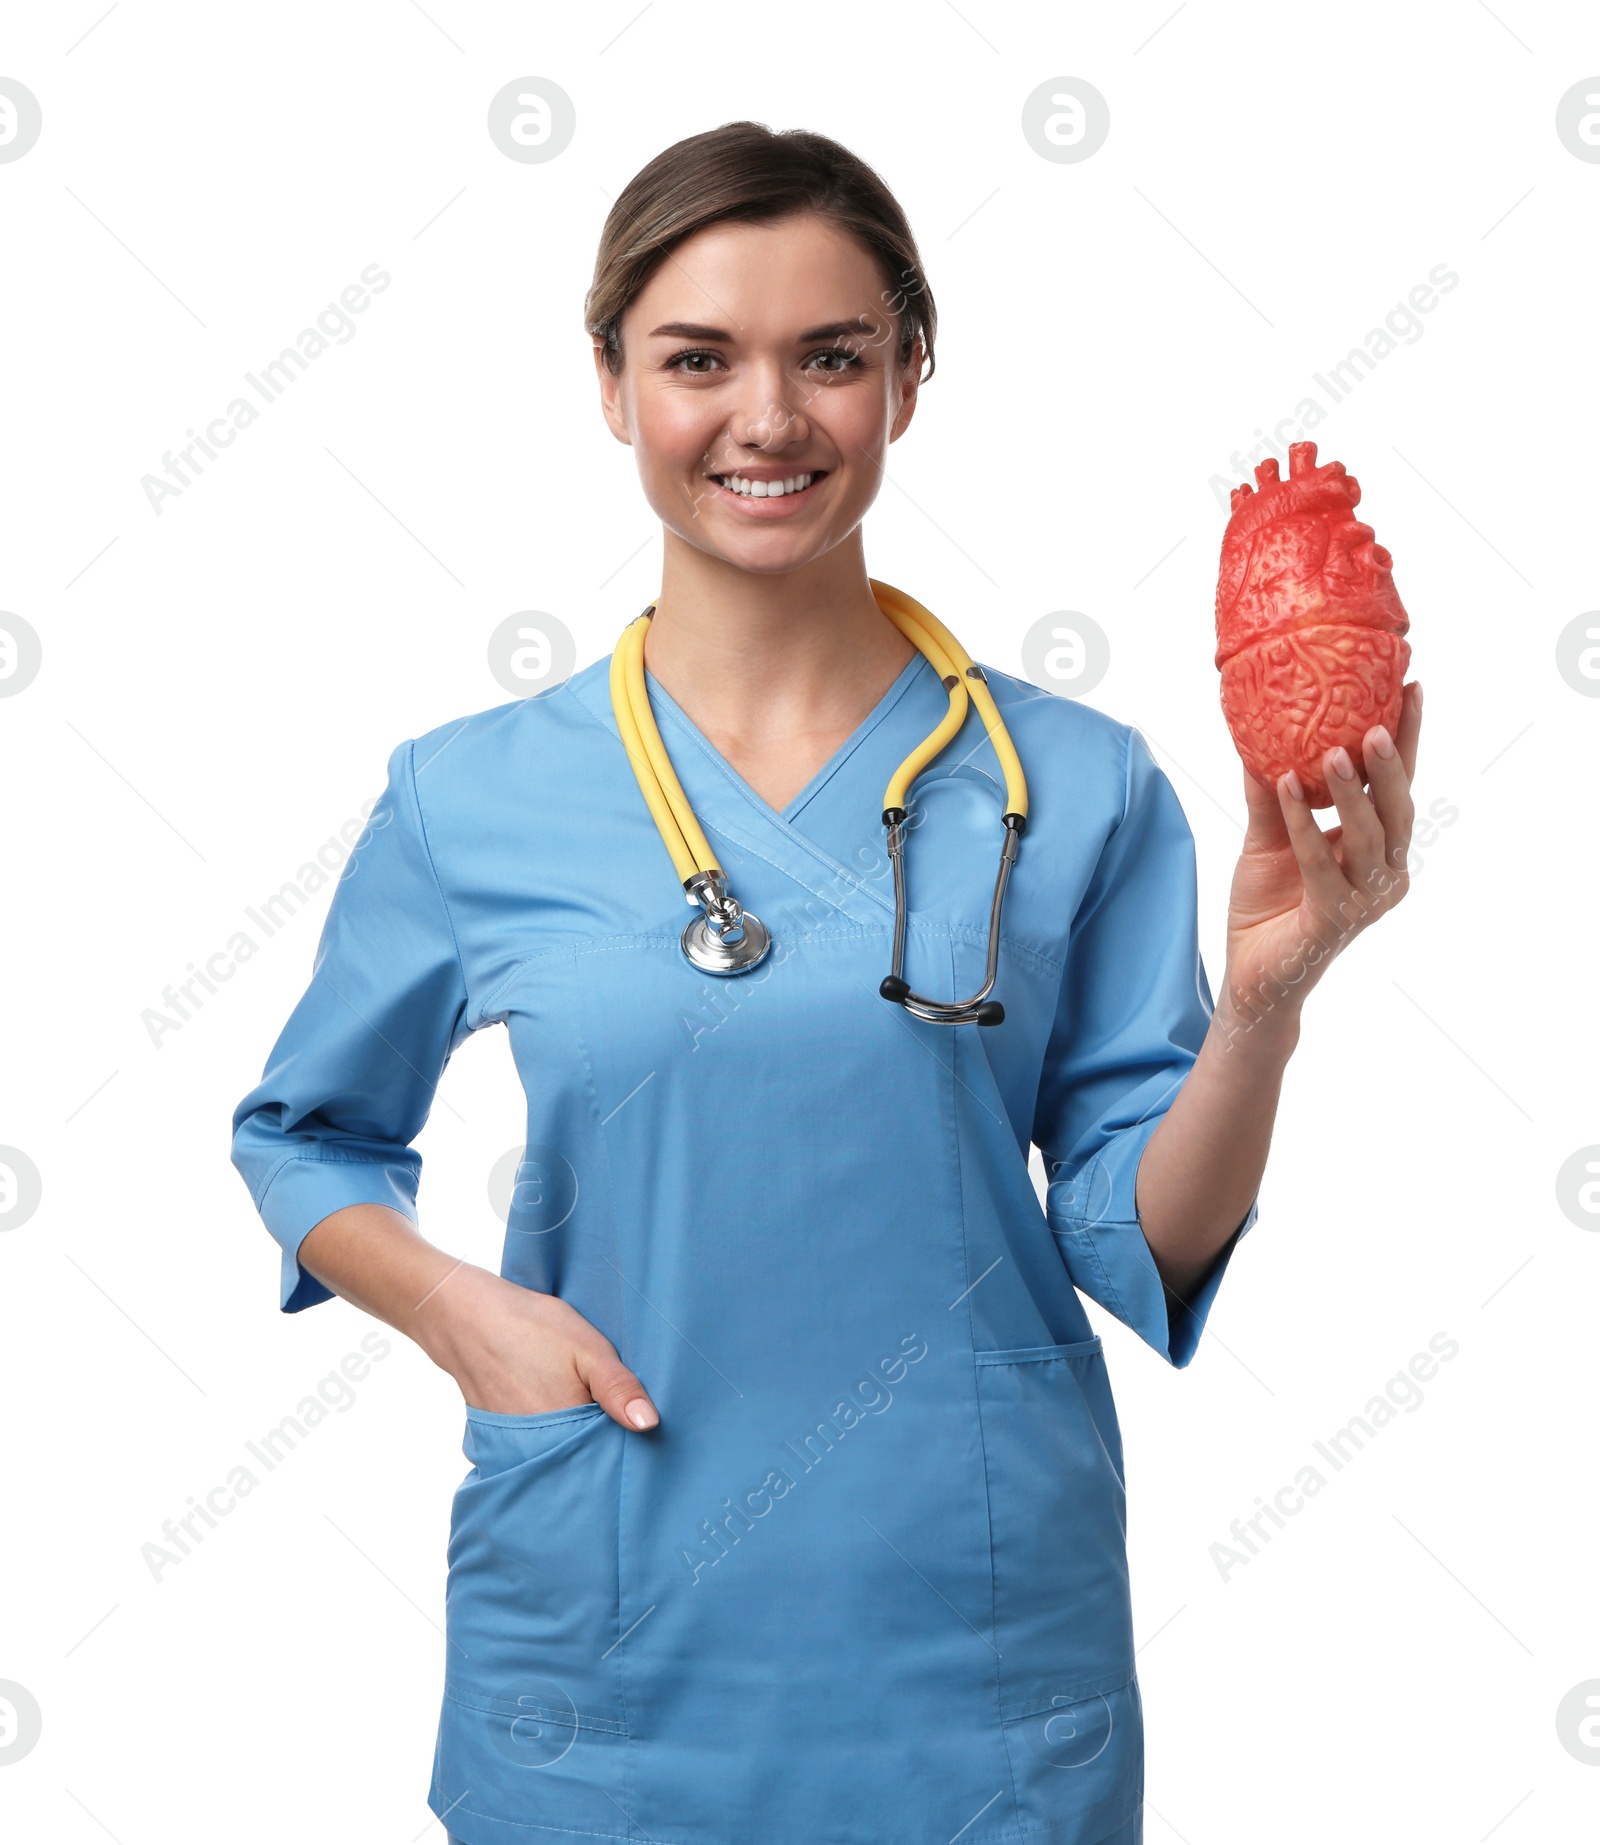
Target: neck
{"type": "Point", "coordinates": [756, 659]}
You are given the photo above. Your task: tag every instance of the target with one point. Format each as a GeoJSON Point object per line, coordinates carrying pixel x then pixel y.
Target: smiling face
{"type": "Point", "coordinates": [760, 388]}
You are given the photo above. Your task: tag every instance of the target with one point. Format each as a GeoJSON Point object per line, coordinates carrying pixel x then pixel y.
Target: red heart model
{"type": "Point", "coordinates": [1309, 625]}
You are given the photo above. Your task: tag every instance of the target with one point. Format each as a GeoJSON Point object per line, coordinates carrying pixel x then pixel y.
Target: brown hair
{"type": "Point", "coordinates": [744, 171]}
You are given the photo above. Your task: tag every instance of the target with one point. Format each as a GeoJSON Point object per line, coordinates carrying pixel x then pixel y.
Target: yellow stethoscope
{"type": "Point", "coordinates": [728, 939]}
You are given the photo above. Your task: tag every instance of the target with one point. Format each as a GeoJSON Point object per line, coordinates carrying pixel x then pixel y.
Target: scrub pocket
{"type": "Point", "coordinates": [532, 1600]}
{"type": "Point", "coordinates": [1057, 1525]}
{"type": "Point", "coordinates": [1069, 1700]}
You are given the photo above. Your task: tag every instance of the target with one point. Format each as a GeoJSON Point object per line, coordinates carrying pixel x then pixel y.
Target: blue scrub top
{"type": "Point", "coordinates": [868, 1580]}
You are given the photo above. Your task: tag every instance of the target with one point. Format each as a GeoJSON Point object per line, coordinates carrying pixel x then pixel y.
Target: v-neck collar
{"type": "Point", "coordinates": [682, 722]}
{"type": "Point", "coordinates": [731, 811]}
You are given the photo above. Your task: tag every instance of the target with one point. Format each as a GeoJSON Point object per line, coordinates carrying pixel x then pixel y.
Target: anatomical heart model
{"type": "Point", "coordinates": [1309, 627]}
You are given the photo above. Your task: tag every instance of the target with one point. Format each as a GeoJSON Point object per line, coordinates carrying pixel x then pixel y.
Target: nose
{"type": "Point", "coordinates": [770, 414]}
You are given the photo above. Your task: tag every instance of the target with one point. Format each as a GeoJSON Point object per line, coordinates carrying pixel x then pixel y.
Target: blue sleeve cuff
{"type": "Point", "coordinates": [308, 1187]}
{"type": "Point", "coordinates": [1095, 1220]}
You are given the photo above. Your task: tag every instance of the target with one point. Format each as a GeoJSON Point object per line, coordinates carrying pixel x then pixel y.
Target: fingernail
{"type": "Point", "coordinates": [640, 1414]}
{"type": "Point", "coordinates": [1296, 792]}
{"type": "Point", "coordinates": [1382, 743]}
{"type": "Point", "coordinates": [1419, 694]}
{"type": "Point", "coordinates": [1339, 761]}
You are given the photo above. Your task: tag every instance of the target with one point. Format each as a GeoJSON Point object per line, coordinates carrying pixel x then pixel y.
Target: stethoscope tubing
{"type": "Point", "coordinates": [730, 940]}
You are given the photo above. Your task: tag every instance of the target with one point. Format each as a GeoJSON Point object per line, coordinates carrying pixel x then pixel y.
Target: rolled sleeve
{"type": "Point", "coordinates": [351, 1079]}
{"type": "Point", "coordinates": [1133, 1012]}
{"type": "Point", "coordinates": [304, 1188]}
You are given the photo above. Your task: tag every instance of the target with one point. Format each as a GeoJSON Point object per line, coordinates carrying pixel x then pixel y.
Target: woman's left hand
{"type": "Point", "coordinates": [1300, 894]}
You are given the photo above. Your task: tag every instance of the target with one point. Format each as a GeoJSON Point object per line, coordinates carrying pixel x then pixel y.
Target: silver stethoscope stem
{"type": "Point", "coordinates": [725, 938]}
{"type": "Point", "coordinates": [980, 1009]}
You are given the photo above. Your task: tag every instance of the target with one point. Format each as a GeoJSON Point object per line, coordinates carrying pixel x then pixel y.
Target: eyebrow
{"type": "Point", "coordinates": [690, 330]}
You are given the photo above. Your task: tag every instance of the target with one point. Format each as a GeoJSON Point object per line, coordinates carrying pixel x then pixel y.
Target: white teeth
{"type": "Point", "coordinates": [765, 489]}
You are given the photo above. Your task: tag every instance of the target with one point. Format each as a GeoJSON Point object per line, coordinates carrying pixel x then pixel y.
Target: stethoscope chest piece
{"type": "Point", "coordinates": [713, 953]}
{"type": "Point", "coordinates": [725, 938]}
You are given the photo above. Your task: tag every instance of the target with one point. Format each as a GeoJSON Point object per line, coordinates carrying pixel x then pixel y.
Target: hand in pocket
{"type": "Point", "coordinates": [516, 1352]}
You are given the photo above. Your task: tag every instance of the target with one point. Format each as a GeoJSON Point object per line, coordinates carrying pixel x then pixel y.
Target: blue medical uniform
{"type": "Point", "coordinates": [866, 1584]}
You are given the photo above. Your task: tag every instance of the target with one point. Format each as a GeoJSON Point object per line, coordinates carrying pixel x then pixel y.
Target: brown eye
{"type": "Point", "coordinates": [848, 360]}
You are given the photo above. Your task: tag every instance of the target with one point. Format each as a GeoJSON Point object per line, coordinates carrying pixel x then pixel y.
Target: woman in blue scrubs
{"type": "Point", "coordinates": [796, 1508]}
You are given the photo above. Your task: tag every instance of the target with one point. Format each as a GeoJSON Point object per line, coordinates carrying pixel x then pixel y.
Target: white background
{"type": "Point", "coordinates": [222, 684]}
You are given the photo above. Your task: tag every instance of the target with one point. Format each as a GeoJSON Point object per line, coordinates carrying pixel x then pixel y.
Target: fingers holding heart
{"type": "Point", "coordinates": [1327, 887]}
{"type": "Point", "coordinates": [1390, 766]}
{"type": "Point", "coordinates": [1361, 829]}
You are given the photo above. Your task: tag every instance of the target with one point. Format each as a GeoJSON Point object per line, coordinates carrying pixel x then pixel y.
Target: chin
{"type": "Point", "coordinates": [761, 553]}
{"type": "Point", "coordinates": [775, 559]}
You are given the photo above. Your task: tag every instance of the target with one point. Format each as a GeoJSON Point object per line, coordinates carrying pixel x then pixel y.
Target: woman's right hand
{"type": "Point", "coordinates": [516, 1352]}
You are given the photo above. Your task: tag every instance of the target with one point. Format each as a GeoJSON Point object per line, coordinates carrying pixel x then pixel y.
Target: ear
{"type": "Point", "coordinates": [908, 383]}
{"type": "Point", "coordinates": [611, 396]}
